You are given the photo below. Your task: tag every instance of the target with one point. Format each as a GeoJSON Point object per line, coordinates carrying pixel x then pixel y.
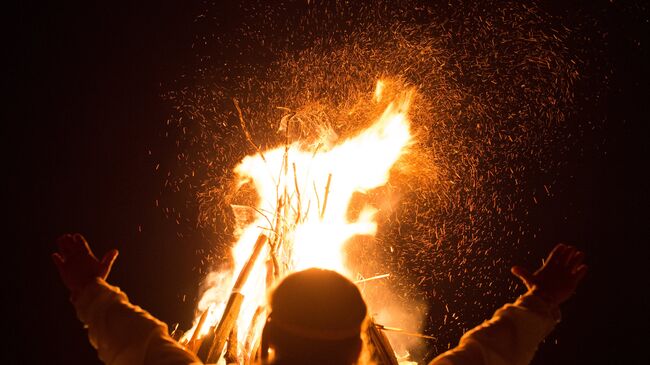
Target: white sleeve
{"type": "Point", "coordinates": [511, 337]}
{"type": "Point", "coordinates": [125, 334]}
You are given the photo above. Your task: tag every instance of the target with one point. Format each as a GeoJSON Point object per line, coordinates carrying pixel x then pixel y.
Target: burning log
{"type": "Point", "coordinates": [232, 349]}
{"type": "Point", "coordinates": [382, 351]}
{"type": "Point", "coordinates": [225, 326]}
{"type": "Point", "coordinates": [195, 342]}
{"type": "Point", "coordinates": [233, 307]}
{"type": "Point", "coordinates": [252, 342]}
{"type": "Point", "coordinates": [302, 234]}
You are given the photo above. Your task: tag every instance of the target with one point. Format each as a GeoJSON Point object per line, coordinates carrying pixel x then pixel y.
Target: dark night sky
{"type": "Point", "coordinates": [84, 109]}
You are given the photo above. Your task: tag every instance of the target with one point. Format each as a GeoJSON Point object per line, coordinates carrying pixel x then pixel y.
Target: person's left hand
{"type": "Point", "coordinates": [77, 264]}
{"type": "Point", "coordinates": [558, 277]}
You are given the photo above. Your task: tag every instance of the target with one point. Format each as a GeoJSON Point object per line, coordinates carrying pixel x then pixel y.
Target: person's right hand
{"type": "Point", "coordinates": [558, 277]}
{"type": "Point", "coordinates": [77, 264]}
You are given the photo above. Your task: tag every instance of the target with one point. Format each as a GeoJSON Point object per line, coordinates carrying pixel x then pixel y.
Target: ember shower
{"type": "Point", "coordinates": [492, 84]}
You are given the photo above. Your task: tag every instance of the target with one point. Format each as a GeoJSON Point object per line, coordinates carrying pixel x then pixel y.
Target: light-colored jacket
{"type": "Point", "coordinates": [510, 337]}
{"type": "Point", "coordinates": [125, 334]}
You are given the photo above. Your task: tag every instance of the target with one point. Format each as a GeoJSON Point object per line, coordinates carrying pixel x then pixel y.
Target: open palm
{"type": "Point", "coordinates": [77, 264]}
{"type": "Point", "coordinates": [558, 277]}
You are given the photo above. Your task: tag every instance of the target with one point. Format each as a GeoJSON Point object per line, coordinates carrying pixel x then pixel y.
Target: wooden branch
{"type": "Point", "coordinates": [221, 333]}
{"type": "Point", "coordinates": [403, 332]}
{"type": "Point", "coordinates": [382, 276]}
{"type": "Point", "coordinates": [252, 337]}
{"type": "Point", "coordinates": [242, 123]}
{"type": "Point", "coordinates": [307, 210]}
{"type": "Point", "coordinates": [232, 350]}
{"type": "Point", "coordinates": [295, 182]}
{"type": "Point", "coordinates": [248, 266]}
{"type": "Point", "coordinates": [318, 146]}
{"type": "Point", "coordinates": [382, 351]}
{"type": "Point", "coordinates": [194, 344]}
{"type": "Point", "coordinates": [327, 193]}
{"type": "Point", "coordinates": [233, 306]}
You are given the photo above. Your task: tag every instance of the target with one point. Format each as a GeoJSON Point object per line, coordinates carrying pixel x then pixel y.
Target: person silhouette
{"type": "Point", "coordinates": [316, 316]}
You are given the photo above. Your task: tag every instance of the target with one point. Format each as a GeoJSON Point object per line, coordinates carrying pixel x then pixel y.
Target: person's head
{"type": "Point", "coordinates": [316, 318]}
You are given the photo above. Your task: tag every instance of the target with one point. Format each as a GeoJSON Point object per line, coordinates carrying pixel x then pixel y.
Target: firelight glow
{"type": "Point", "coordinates": [305, 193]}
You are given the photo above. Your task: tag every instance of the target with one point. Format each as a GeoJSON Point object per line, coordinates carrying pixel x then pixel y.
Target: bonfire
{"type": "Point", "coordinates": [301, 220]}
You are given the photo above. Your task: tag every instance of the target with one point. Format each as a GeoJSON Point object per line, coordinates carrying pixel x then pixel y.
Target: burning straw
{"type": "Point", "coordinates": [301, 221]}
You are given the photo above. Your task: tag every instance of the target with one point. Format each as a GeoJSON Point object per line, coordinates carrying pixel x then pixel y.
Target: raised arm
{"type": "Point", "coordinates": [121, 332]}
{"type": "Point", "coordinates": [558, 277]}
{"type": "Point", "coordinates": [512, 335]}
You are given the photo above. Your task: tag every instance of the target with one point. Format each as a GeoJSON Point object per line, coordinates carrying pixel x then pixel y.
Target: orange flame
{"type": "Point", "coordinates": [306, 193]}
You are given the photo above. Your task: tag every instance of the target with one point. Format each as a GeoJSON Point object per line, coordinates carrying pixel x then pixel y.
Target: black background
{"type": "Point", "coordinates": [84, 109]}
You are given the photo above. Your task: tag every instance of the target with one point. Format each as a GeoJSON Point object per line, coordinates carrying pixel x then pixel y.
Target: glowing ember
{"type": "Point", "coordinates": [304, 195]}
